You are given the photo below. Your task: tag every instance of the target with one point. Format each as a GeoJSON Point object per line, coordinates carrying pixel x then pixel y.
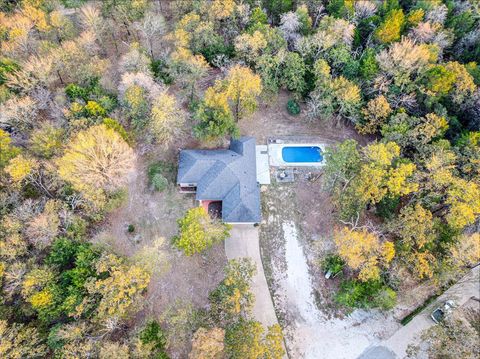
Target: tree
{"type": "Point", "coordinates": [374, 115]}
{"type": "Point", "coordinates": [188, 69]}
{"type": "Point", "coordinates": [241, 87]}
{"type": "Point", "coordinates": [20, 341]}
{"type": "Point", "coordinates": [77, 61]}
{"type": "Point", "coordinates": [403, 59]}
{"type": "Point", "coordinates": [19, 112]}
{"type": "Point", "coordinates": [45, 226]}
{"type": "Point", "coordinates": [361, 179]}
{"type": "Point", "coordinates": [199, 232]}
{"type": "Point", "coordinates": [7, 150]}
{"type": "Point", "coordinates": [417, 233]}
{"type": "Point", "coordinates": [96, 159]}
{"type": "Point", "coordinates": [152, 27]}
{"type": "Point", "coordinates": [120, 287]}
{"type": "Point", "coordinates": [391, 28]}
{"type": "Point", "coordinates": [412, 132]}
{"type": "Point", "coordinates": [363, 252]}
{"type": "Point", "coordinates": [466, 252]}
{"type": "Point", "coordinates": [166, 119]}
{"type": "Point", "coordinates": [215, 119]}
{"type": "Point", "coordinates": [233, 297]}
{"type": "Point", "coordinates": [333, 95]}
{"type": "Point", "coordinates": [342, 164]}
{"type": "Point", "coordinates": [277, 7]}
{"type": "Point", "coordinates": [47, 140]}
{"type": "Point", "coordinates": [246, 339]}
{"type": "Point", "coordinates": [20, 168]}
{"type": "Point", "coordinates": [456, 337]}
{"type": "Point", "coordinates": [208, 344]}
{"type": "Point", "coordinates": [293, 73]}
{"type": "Point", "coordinates": [135, 61]}
{"type": "Point", "coordinates": [249, 46]}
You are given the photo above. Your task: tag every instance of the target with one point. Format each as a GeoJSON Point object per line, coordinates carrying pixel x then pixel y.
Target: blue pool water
{"type": "Point", "coordinates": [302, 154]}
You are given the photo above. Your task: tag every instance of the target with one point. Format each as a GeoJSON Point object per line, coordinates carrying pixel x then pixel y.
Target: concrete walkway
{"type": "Point", "coordinates": [244, 242]}
{"type": "Point", "coordinates": [397, 344]}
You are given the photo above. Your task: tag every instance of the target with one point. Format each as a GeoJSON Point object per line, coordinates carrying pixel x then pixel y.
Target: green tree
{"type": "Point", "coordinates": [277, 7]}
{"type": "Point", "coordinates": [199, 232]}
{"type": "Point", "coordinates": [215, 120]}
{"type": "Point", "coordinates": [7, 150]}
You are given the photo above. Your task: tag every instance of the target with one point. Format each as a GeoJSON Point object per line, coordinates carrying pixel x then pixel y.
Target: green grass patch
{"type": "Point", "coordinates": [412, 315]}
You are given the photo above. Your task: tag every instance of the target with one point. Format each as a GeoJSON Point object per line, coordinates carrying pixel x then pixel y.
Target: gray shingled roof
{"type": "Point", "coordinates": [226, 175]}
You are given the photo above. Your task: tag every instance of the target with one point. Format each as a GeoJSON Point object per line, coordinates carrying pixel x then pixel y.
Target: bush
{"type": "Point", "coordinates": [293, 107]}
{"type": "Point", "coordinates": [160, 71]}
{"type": "Point", "coordinates": [369, 294]}
{"type": "Point", "coordinates": [76, 92]}
{"type": "Point", "coordinates": [152, 334]}
{"type": "Point", "coordinates": [333, 263]}
{"type": "Point", "coordinates": [159, 183]}
{"type": "Point", "coordinates": [131, 228]}
{"type": "Point", "coordinates": [159, 174]}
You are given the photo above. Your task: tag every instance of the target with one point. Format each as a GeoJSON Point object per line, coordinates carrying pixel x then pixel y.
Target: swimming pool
{"type": "Point", "coordinates": [302, 154]}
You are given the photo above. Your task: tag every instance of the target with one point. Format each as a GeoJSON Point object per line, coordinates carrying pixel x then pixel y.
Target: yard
{"type": "Point", "coordinates": [180, 285]}
{"type": "Point", "coordinates": [298, 220]}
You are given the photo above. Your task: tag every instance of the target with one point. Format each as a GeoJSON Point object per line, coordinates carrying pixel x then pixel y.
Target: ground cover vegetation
{"type": "Point", "coordinates": [84, 85]}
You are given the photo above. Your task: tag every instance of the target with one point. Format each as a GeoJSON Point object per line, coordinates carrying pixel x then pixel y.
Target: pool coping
{"type": "Point", "coordinates": [276, 159]}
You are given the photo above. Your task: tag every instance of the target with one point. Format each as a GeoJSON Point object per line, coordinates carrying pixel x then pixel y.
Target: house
{"type": "Point", "coordinates": [225, 178]}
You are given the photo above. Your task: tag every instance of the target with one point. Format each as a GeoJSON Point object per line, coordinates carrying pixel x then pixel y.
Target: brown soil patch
{"type": "Point", "coordinates": [272, 119]}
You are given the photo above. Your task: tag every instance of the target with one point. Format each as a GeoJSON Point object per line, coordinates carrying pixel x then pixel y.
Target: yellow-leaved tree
{"type": "Point", "coordinates": [96, 161]}
{"type": "Point", "coordinates": [380, 176]}
{"type": "Point", "coordinates": [167, 119]}
{"type": "Point", "coordinates": [208, 344]}
{"type": "Point", "coordinates": [364, 252]}
{"type": "Point", "coordinates": [416, 231]}
{"type": "Point", "coordinates": [241, 87]}
{"type": "Point", "coordinates": [374, 115]}
{"type": "Point", "coordinates": [466, 252]}
{"type": "Point", "coordinates": [121, 291]}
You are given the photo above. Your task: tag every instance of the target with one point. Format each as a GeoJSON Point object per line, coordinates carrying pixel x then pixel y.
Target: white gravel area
{"type": "Point", "coordinates": [311, 334]}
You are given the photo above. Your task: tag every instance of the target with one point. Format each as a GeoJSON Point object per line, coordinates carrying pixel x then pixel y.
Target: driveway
{"type": "Point", "coordinates": [243, 242]}
{"type": "Point", "coordinates": [397, 344]}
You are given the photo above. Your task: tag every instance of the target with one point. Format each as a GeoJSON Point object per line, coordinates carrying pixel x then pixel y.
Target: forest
{"type": "Point", "coordinates": [87, 88]}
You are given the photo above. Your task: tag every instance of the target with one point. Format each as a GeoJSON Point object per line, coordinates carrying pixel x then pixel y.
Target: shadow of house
{"type": "Point", "coordinates": [229, 176]}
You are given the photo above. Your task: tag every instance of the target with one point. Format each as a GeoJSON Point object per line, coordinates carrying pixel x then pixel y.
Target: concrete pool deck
{"type": "Point", "coordinates": [276, 158]}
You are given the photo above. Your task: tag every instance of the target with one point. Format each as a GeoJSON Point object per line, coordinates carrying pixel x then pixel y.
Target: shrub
{"type": "Point", "coordinates": [159, 183]}
{"type": "Point", "coordinates": [94, 109]}
{"type": "Point", "coordinates": [74, 92]}
{"type": "Point", "coordinates": [131, 228]}
{"type": "Point", "coordinates": [369, 294]}
{"type": "Point", "coordinates": [159, 174]}
{"type": "Point", "coordinates": [293, 107]}
{"type": "Point", "coordinates": [160, 71]}
{"type": "Point", "coordinates": [153, 335]}
{"type": "Point", "coordinates": [333, 263]}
